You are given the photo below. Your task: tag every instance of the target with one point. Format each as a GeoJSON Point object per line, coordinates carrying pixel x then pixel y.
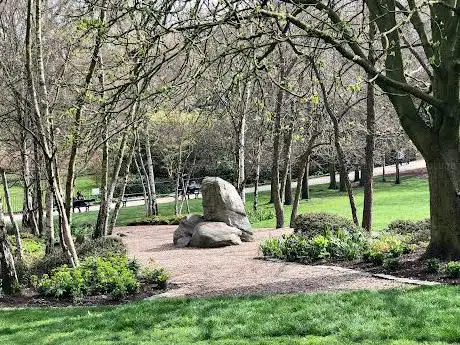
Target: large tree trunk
{"type": "Point", "coordinates": [8, 278]}
{"type": "Point", "coordinates": [445, 210]}
{"type": "Point", "coordinates": [17, 234]}
{"type": "Point", "coordinates": [368, 171]}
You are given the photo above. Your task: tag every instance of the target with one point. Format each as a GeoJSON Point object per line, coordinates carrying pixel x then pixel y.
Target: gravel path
{"type": "Point", "coordinates": [235, 269]}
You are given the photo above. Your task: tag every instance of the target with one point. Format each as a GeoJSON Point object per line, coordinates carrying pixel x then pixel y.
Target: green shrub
{"type": "Point", "coordinates": [419, 231]}
{"type": "Point", "coordinates": [260, 215]}
{"type": "Point", "coordinates": [386, 246]}
{"type": "Point", "coordinates": [156, 275]}
{"type": "Point", "coordinates": [95, 275]}
{"type": "Point", "coordinates": [82, 231]}
{"type": "Point", "coordinates": [103, 246]}
{"type": "Point", "coordinates": [336, 244]}
{"type": "Point", "coordinates": [391, 264]}
{"type": "Point", "coordinates": [453, 269]}
{"type": "Point", "coordinates": [434, 265]}
{"type": "Point", "coordinates": [156, 220]}
{"type": "Point", "coordinates": [312, 224]}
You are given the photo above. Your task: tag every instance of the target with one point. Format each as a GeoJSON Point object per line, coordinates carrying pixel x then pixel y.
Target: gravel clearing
{"type": "Point", "coordinates": [236, 270]}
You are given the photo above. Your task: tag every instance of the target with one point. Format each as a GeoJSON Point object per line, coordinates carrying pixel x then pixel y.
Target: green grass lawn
{"type": "Point", "coordinates": [83, 184]}
{"type": "Point", "coordinates": [396, 317]}
{"type": "Point", "coordinates": [409, 200]}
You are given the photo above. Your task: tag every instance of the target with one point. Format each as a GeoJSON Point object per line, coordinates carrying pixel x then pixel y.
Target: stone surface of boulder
{"type": "Point", "coordinates": [183, 234]}
{"type": "Point", "coordinates": [215, 234]}
{"type": "Point", "coordinates": [222, 203]}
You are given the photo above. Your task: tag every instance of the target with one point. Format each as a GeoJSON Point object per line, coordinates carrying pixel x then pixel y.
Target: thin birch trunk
{"type": "Point", "coordinates": [38, 194]}
{"type": "Point", "coordinates": [257, 175]}
{"type": "Point", "coordinates": [279, 211]}
{"type": "Point", "coordinates": [8, 277]}
{"type": "Point", "coordinates": [129, 159]}
{"type": "Point", "coordinates": [17, 233]}
{"type": "Point", "coordinates": [49, 226]}
{"type": "Point", "coordinates": [76, 130]}
{"type": "Point", "coordinates": [338, 146]}
{"type": "Point", "coordinates": [151, 176]}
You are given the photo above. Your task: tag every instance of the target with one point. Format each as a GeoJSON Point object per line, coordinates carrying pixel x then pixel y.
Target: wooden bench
{"type": "Point", "coordinates": [191, 191]}
{"type": "Point", "coordinates": [79, 203]}
{"type": "Point", "coordinates": [131, 197]}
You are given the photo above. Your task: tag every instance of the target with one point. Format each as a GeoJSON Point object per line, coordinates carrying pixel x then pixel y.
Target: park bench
{"type": "Point", "coordinates": [80, 203]}
{"type": "Point", "coordinates": [131, 197]}
{"type": "Point", "coordinates": [191, 191]}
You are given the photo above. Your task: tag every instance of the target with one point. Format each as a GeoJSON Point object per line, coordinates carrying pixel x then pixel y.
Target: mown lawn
{"type": "Point", "coordinates": [409, 200]}
{"type": "Point", "coordinates": [83, 184]}
{"type": "Point", "coordinates": [397, 317]}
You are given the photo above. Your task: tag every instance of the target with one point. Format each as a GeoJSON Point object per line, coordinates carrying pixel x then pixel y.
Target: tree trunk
{"type": "Point", "coordinates": [332, 176]}
{"type": "Point", "coordinates": [306, 181]}
{"type": "Point", "coordinates": [340, 154]}
{"type": "Point", "coordinates": [287, 148]}
{"type": "Point", "coordinates": [342, 178]}
{"type": "Point", "coordinates": [288, 188]}
{"type": "Point", "coordinates": [398, 177]}
{"type": "Point", "coordinates": [8, 277]}
{"type": "Point", "coordinates": [383, 169]}
{"type": "Point", "coordinates": [104, 208]}
{"type": "Point", "coordinates": [29, 220]}
{"type": "Point", "coordinates": [101, 222]}
{"type": "Point", "coordinates": [116, 210]}
{"type": "Point", "coordinates": [279, 211]}
{"type": "Point", "coordinates": [363, 178]}
{"type": "Point", "coordinates": [257, 175]}
{"type": "Point", "coordinates": [141, 175]}
{"type": "Point", "coordinates": [368, 168]}
{"type": "Point", "coordinates": [445, 208]}
{"type": "Point", "coordinates": [356, 179]}
{"type": "Point", "coordinates": [17, 234]}
{"type": "Point", "coordinates": [37, 198]}
{"type": "Point", "coordinates": [77, 121]}
{"type": "Point", "coordinates": [302, 172]}
{"type": "Point", "coordinates": [49, 226]}
{"type": "Point", "coordinates": [151, 176]}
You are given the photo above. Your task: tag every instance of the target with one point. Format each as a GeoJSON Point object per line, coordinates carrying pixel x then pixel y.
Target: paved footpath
{"type": "Point", "coordinates": [415, 165]}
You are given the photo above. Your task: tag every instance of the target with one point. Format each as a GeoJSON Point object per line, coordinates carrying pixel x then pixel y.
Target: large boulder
{"type": "Point", "coordinates": [215, 234]}
{"type": "Point", "coordinates": [183, 234]}
{"type": "Point", "coordinates": [222, 203]}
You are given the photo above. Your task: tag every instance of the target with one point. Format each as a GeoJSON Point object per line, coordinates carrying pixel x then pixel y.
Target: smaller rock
{"type": "Point", "coordinates": [215, 234]}
{"type": "Point", "coordinates": [183, 242]}
{"type": "Point", "coordinates": [185, 230]}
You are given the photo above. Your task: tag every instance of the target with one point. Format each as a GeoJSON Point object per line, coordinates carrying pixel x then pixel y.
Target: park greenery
{"type": "Point", "coordinates": [110, 103]}
{"type": "Point", "coordinates": [415, 316]}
